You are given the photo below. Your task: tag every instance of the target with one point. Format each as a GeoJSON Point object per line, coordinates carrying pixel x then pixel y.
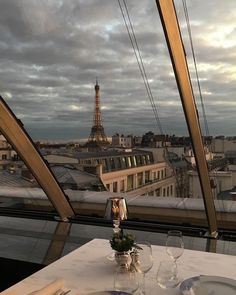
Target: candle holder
{"type": "Point", "coordinates": [116, 210]}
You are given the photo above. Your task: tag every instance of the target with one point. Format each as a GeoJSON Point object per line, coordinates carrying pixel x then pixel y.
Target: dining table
{"type": "Point", "coordinates": [87, 270]}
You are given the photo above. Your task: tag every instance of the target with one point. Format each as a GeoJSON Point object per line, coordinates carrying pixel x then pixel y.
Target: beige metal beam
{"type": "Point", "coordinates": [177, 53]}
{"type": "Point", "coordinates": [211, 245]}
{"type": "Point", "coordinates": [57, 243]}
{"type": "Point", "coordinates": [14, 132]}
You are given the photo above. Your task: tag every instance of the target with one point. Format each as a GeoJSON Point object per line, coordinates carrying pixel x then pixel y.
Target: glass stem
{"type": "Point", "coordinates": [116, 224]}
{"type": "Point", "coordinates": [143, 283]}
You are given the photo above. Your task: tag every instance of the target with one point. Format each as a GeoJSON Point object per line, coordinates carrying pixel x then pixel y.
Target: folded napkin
{"type": "Point", "coordinates": [50, 289]}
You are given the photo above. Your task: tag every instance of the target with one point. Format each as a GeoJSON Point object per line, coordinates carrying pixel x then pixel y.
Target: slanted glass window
{"type": "Point", "coordinates": [52, 52]}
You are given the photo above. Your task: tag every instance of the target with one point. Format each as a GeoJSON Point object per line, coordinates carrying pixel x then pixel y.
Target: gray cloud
{"type": "Point", "coordinates": [52, 51]}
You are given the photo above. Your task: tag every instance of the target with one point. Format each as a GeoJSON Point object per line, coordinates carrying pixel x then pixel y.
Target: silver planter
{"type": "Point", "coordinates": [123, 259]}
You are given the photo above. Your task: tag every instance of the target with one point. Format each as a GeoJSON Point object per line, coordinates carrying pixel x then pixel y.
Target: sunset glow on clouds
{"type": "Point", "coordinates": [52, 51]}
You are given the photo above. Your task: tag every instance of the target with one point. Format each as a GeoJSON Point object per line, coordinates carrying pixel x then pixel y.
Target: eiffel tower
{"type": "Point", "coordinates": [97, 136]}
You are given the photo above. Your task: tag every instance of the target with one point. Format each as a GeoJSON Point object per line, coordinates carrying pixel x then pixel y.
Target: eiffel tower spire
{"type": "Point", "coordinates": [97, 133]}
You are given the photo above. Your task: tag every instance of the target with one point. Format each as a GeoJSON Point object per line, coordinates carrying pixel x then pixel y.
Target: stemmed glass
{"type": "Point", "coordinates": [167, 274]}
{"type": "Point", "coordinates": [175, 248]}
{"type": "Point", "coordinates": [174, 244]}
{"type": "Point", "coordinates": [145, 261]}
{"type": "Point", "coordinates": [125, 280]}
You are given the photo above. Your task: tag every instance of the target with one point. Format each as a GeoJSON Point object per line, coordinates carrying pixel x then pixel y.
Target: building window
{"type": "Point", "coordinates": [153, 175]}
{"type": "Point", "coordinates": [147, 176]}
{"type": "Point", "coordinates": [128, 162]}
{"type": "Point", "coordinates": [156, 176]}
{"type": "Point", "coordinates": [123, 163]}
{"type": "Point", "coordinates": [4, 157]}
{"type": "Point", "coordinates": [112, 162]}
{"type": "Point", "coordinates": [140, 179]}
{"type": "Point", "coordinates": [134, 163]}
{"type": "Point", "coordinates": [130, 182]}
{"type": "Point", "coordinates": [104, 168]}
{"type": "Point", "coordinates": [15, 157]}
{"type": "Point", "coordinates": [118, 162]}
{"type": "Point", "coordinates": [164, 192]}
{"type": "Point", "coordinates": [122, 186]}
{"type": "Point", "coordinates": [115, 187]}
{"type": "Point", "coordinates": [158, 192]}
{"type": "Point", "coordinates": [144, 160]}
{"type": "Point", "coordinates": [138, 159]}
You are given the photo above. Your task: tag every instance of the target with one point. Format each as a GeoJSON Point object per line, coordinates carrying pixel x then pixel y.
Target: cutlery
{"type": "Point", "coordinates": [61, 292]}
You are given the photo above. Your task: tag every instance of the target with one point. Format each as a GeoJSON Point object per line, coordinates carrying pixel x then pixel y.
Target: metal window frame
{"type": "Point", "coordinates": [172, 33]}
{"type": "Point", "coordinates": [16, 135]}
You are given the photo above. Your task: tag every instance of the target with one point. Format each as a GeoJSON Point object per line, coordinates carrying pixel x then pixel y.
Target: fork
{"type": "Point", "coordinates": [61, 292]}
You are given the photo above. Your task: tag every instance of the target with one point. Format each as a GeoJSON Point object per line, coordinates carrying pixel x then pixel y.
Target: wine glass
{"type": "Point", "coordinates": [167, 274]}
{"type": "Point", "coordinates": [125, 280]}
{"type": "Point", "coordinates": [144, 262]}
{"type": "Point", "coordinates": [174, 244]}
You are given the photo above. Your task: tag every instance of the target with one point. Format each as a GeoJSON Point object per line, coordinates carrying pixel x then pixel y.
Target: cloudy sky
{"type": "Point", "coordinates": [51, 52]}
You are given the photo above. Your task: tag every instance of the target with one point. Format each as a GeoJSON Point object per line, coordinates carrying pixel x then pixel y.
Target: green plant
{"type": "Point", "coordinates": [121, 242]}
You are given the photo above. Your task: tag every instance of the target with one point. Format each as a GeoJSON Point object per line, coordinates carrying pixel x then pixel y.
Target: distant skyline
{"type": "Point", "coordinates": [52, 51]}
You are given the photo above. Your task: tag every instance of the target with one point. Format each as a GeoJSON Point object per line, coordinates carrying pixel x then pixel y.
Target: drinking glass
{"type": "Point", "coordinates": [125, 280]}
{"type": "Point", "coordinates": [167, 274]}
{"type": "Point", "coordinates": [174, 244]}
{"type": "Point", "coordinates": [145, 261]}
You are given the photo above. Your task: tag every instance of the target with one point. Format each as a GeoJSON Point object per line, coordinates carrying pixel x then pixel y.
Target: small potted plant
{"type": "Point", "coordinates": [122, 244]}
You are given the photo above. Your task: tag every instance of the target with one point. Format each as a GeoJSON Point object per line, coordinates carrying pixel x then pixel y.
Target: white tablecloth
{"type": "Point", "coordinates": [87, 270]}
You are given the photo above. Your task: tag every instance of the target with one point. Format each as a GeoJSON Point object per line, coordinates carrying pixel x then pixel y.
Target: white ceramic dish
{"type": "Point", "coordinates": [208, 285]}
